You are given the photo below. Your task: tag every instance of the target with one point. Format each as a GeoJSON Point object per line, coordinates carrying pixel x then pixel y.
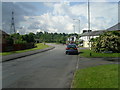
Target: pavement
{"type": "Point", "coordinates": [91, 62]}
{"type": "Point", "coordinates": [24, 54]}
{"type": "Point", "coordinates": [84, 62]}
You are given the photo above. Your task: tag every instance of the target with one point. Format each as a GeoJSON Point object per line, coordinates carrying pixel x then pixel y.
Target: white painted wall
{"type": "Point", "coordinates": [86, 40]}
{"type": "Point", "coordinates": [70, 38]}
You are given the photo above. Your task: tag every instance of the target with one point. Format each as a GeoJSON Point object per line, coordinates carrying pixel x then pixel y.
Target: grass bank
{"type": "Point", "coordinates": [86, 53]}
{"type": "Point", "coordinates": [39, 46]}
{"type": "Point", "coordinates": [104, 76]}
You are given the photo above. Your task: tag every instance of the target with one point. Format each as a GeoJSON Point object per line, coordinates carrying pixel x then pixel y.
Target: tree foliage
{"type": "Point", "coordinates": [9, 40]}
{"type": "Point", "coordinates": [43, 37]}
{"type": "Point", "coordinates": [109, 41]}
{"type": "Point", "coordinates": [51, 37]}
{"type": "Point", "coordinates": [22, 39]}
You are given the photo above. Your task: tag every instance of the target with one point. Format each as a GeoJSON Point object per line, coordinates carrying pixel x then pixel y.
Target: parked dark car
{"type": "Point", "coordinates": [71, 49]}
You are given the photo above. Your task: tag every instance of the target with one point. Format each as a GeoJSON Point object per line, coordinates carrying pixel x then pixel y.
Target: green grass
{"type": "Point", "coordinates": [39, 46]}
{"type": "Point", "coordinates": [86, 53]}
{"type": "Point", "coordinates": [104, 76]}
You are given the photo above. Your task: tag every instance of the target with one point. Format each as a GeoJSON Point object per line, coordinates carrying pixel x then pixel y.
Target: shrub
{"type": "Point", "coordinates": [109, 41]}
{"type": "Point", "coordinates": [9, 40]}
{"type": "Point", "coordinates": [20, 42]}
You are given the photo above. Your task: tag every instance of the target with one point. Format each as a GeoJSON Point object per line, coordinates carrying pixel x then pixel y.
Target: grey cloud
{"type": "Point", "coordinates": [20, 10]}
{"type": "Point", "coordinates": [37, 25]}
{"type": "Point", "coordinates": [34, 27]}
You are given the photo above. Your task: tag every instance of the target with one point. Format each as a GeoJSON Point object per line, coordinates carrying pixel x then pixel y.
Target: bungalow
{"type": "Point", "coordinates": [93, 34]}
{"type": "Point", "coordinates": [3, 36]}
{"type": "Point", "coordinates": [3, 42]}
{"type": "Point", "coordinates": [72, 39]}
{"type": "Point", "coordinates": [88, 35]}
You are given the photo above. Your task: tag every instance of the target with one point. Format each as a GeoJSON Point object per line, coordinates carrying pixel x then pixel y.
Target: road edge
{"type": "Point", "coordinates": [20, 55]}
{"type": "Point", "coordinates": [76, 68]}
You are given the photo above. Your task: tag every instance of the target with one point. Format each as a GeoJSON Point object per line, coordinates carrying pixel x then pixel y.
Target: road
{"type": "Point", "coordinates": [50, 69]}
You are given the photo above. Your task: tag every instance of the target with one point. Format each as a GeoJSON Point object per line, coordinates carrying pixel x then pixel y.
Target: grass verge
{"type": "Point", "coordinates": [39, 46]}
{"type": "Point", "coordinates": [104, 76]}
{"type": "Point", "coordinates": [86, 53]}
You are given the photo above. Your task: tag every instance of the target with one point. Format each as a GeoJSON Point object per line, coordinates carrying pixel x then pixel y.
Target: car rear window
{"type": "Point", "coordinates": [71, 46]}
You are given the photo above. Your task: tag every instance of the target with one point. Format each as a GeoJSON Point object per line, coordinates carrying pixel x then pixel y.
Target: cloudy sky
{"type": "Point", "coordinates": [58, 16]}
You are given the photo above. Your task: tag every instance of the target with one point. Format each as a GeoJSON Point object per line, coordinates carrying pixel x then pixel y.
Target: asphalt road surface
{"type": "Point", "coordinates": [50, 69]}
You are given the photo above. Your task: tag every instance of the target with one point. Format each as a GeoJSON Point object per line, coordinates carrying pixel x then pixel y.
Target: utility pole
{"type": "Point", "coordinates": [74, 28]}
{"type": "Point", "coordinates": [88, 17]}
{"type": "Point", "coordinates": [89, 25]}
{"type": "Point", "coordinates": [118, 19]}
{"type": "Point", "coordinates": [12, 28]}
{"type": "Point", "coordinates": [79, 26]}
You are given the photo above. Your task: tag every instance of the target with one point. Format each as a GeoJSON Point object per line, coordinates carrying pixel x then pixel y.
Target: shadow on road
{"type": "Point", "coordinates": [112, 59]}
{"type": "Point", "coordinates": [80, 52]}
{"type": "Point", "coordinates": [75, 53]}
{"type": "Point", "coordinates": [72, 54]}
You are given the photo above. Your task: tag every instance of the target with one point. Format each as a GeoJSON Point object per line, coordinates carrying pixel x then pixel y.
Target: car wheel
{"type": "Point", "coordinates": [77, 53]}
{"type": "Point", "coordinates": [66, 53]}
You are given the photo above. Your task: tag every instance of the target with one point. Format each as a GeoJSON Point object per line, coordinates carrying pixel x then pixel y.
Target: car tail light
{"type": "Point", "coordinates": [67, 48]}
{"type": "Point", "coordinates": [75, 48]}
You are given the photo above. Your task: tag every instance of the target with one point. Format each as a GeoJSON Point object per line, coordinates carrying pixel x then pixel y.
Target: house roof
{"type": "Point", "coordinates": [3, 33]}
{"type": "Point", "coordinates": [114, 28]}
{"type": "Point", "coordinates": [96, 33]}
{"type": "Point", "coordinates": [93, 33]}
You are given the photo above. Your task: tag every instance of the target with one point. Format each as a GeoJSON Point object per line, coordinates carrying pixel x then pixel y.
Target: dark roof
{"type": "Point", "coordinates": [114, 28]}
{"type": "Point", "coordinates": [3, 33]}
{"type": "Point", "coordinates": [96, 33]}
{"type": "Point", "coordinates": [93, 33]}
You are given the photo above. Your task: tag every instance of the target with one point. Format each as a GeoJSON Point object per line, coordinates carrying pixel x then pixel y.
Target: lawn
{"type": "Point", "coordinates": [39, 46]}
{"type": "Point", "coordinates": [104, 76]}
{"type": "Point", "coordinates": [86, 53]}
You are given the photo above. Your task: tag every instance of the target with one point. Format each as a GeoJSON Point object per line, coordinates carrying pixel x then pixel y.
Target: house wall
{"type": "Point", "coordinates": [70, 38]}
{"type": "Point", "coordinates": [86, 40]}
{"type": "Point", "coordinates": [85, 44]}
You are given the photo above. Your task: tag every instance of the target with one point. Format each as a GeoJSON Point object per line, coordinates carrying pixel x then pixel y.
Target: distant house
{"type": "Point", "coordinates": [86, 35]}
{"type": "Point", "coordinates": [37, 41]}
{"type": "Point", "coordinates": [93, 34]}
{"type": "Point", "coordinates": [3, 36]}
{"type": "Point", "coordinates": [72, 38]}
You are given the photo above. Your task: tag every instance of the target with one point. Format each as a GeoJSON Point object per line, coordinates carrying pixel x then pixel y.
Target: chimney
{"type": "Point", "coordinates": [89, 30]}
{"type": "Point", "coordinates": [84, 31]}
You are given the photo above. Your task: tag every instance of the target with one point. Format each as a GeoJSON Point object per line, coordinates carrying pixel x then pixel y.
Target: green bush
{"type": "Point", "coordinates": [9, 40]}
{"type": "Point", "coordinates": [109, 41]}
{"type": "Point", "coordinates": [20, 42]}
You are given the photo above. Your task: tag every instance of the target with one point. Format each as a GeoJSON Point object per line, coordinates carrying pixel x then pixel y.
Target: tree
{"type": "Point", "coordinates": [9, 40]}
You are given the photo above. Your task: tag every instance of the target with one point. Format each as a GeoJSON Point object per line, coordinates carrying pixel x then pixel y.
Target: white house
{"type": "Point", "coordinates": [72, 38]}
{"type": "Point", "coordinates": [93, 34]}
{"type": "Point", "coordinates": [86, 36]}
